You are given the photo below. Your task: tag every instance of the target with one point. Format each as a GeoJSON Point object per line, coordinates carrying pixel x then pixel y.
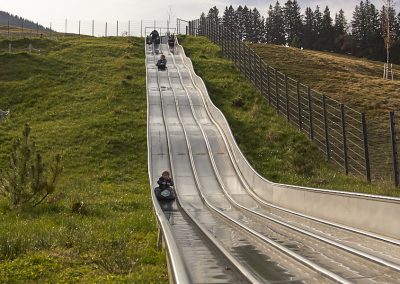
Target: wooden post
{"type": "Point", "coordinates": [79, 27]}
{"type": "Point", "coordinates": [276, 92]}
{"type": "Point", "coordinates": [346, 161]}
{"type": "Point", "coordinates": [394, 150]}
{"type": "Point", "coordinates": [92, 28]}
{"type": "Point", "coordinates": [117, 28]}
{"type": "Point", "coordinates": [326, 126]}
{"type": "Point", "coordinates": [310, 113]}
{"type": "Point", "coordinates": [268, 86]}
{"type": "Point", "coordinates": [287, 98]}
{"type": "Point", "coordinates": [106, 30]}
{"type": "Point", "coordinates": [299, 106]}
{"type": "Point", "coordinates": [366, 149]}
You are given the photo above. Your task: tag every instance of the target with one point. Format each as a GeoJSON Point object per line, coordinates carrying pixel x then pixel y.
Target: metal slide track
{"type": "Point", "coordinates": [219, 230]}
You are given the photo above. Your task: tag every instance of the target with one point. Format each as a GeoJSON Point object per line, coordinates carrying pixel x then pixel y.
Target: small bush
{"type": "Point", "coordinates": [26, 181]}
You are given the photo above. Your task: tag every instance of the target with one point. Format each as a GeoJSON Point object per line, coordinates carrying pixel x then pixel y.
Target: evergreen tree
{"type": "Point", "coordinates": [213, 15]}
{"type": "Point", "coordinates": [275, 28]}
{"type": "Point", "coordinates": [202, 26]}
{"type": "Point", "coordinates": [256, 26]}
{"type": "Point", "coordinates": [340, 26]}
{"type": "Point", "coordinates": [229, 19]}
{"type": "Point", "coordinates": [292, 21]}
{"type": "Point", "coordinates": [317, 24]}
{"type": "Point", "coordinates": [366, 30]}
{"type": "Point", "coordinates": [240, 21]}
{"type": "Point", "coordinates": [246, 23]}
{"type": "Point", "coordinates": [326, 37]}
{"type": "Point", "coordinates": [309, 35]}
{"type": "Point", "coordinates": [341, 38]}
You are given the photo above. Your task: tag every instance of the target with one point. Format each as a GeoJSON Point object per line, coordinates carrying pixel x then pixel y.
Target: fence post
{"type": "Point", "coordinates": [310, 113]}
{"type": "Point", "coordinates": [37, 28]}
{"type": "Point", "coordinates": [276, 92]}
{"type": "Point", "coordinates": [394, 149]}
{"type": "Point", "coordinates": [92, 28]}
{"type": "Point", "coordinates": [9, 48]}
{"type": "Point", "coordinates": [326, 126]}
{"type": "Point", "coordinates": [366, 150]}
{"type": "Point", "coordinates": [287, 98]}
{"type": "Point", "coordinates": [106, 30]}
{"type": "Point", "coordinates": [117, 28]}
{"type": "Point", "coordinates": [299, 105]}
{"type": "Point", "coordinates": [8, 29]}
{"type": "Point", "coordinates": [79, 27]}
{"type": "Point", "coordinates": [268, 86]}
{"type": "Point", "coordinates": [343, 116]}
{"type": "Point", "coordinates": [261, 75]}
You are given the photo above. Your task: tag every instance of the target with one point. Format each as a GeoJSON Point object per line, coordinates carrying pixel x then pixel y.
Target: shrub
{"type": "Point", "coordinates": [27, 181]}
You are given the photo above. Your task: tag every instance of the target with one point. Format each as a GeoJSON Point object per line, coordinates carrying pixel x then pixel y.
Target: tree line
{"type": "Point", "coordinates": [16, 21]}
{"type": "Point", "coordinates": [315, 29]}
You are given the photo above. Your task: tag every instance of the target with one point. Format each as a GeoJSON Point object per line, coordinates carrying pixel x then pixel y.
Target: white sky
{"type": "Point", "coordinates": [55, 11]}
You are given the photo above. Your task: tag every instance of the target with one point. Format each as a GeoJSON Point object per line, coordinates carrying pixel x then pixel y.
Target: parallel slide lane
{"type": "Point", "coordinates": [262, 242]}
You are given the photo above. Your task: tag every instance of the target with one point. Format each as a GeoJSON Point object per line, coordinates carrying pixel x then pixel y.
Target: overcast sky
{"type": "Point", "coordinates": [46, 11]}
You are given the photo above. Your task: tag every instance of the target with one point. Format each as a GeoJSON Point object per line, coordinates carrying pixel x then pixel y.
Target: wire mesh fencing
{"type": "Point", "coordinates": [339, 131]}
{"type": "Point", "coordinates": [93, 28]}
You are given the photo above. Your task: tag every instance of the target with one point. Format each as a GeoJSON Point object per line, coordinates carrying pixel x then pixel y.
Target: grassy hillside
{"type": "Point", "coordinates": [275, 149]}
{"type": "Point", "coordinates": [84, 98]}
{"type": "Point", "coordinates": [356, 82]}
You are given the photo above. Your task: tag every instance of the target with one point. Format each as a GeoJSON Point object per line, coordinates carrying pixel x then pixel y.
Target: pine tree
{"type": "Point", "coordinates": [326, 38]}
{"type": "Point", "coordinates": [202, 26]}
{"type": "Point", "coordinates": [340, 26]}
{"type": "Point", "coordinates": [229, 19]}
{"type": "Point", "coordinates": [366, 30]}
{"type": "Point", "coordinates": [341, 37]}
{"type": "Point", "coordinates": [317, 28]}
{"type": "Point", "coordinates": [275, 28]}
{"type": "Point", "coordinates": [293, 21]}
{"type": "Point", "coordinates": [240, 21]}
{"type": "Point", "coordinates": [309, 35]}
{"type": "Point", "coordinates": [247, 23]}
{"type": "Point", "coordinates": [26, 182]}
{"type": "Point", "coordinates": [213, 15]}
{"type": "Point", "coordinates": [257, 26]}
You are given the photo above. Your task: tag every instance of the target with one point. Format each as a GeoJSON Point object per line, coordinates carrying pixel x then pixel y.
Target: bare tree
{"type": "Point", "coordinates": [388, 33]}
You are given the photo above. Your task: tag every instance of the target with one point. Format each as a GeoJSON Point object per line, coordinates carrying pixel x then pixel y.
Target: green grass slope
{"type": "Point", "coordinates": [86, 99]}
{"type": "Point", "coordinates": [356, 82]}
{"type": "Point", "coordinates": [275, 149]}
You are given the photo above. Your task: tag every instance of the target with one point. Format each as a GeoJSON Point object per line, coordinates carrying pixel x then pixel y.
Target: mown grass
{"type": "Point", "coordinates": [356, 82]}
{"type": "Point", "coordinates": [86, 99]}
{"type": "Point", "coordinates": [275, 149]}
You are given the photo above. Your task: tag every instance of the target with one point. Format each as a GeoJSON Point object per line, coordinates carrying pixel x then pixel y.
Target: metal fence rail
{"type": "Point", "coordinates": [338, 130]}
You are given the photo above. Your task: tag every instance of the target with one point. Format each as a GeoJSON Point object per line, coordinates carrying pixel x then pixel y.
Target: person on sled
{"type": "Point", "coordinates": [162, 62]}
{"type": "Point", "coordinates": [164, 191]}
{"type": "Point", "coordinates": [155, 37]}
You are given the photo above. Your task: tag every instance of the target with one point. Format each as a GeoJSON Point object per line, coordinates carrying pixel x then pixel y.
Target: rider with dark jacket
{"type": "Point", "coordinates": [165, 180]}
{"type": "Point", "coordinates": [162, 62]}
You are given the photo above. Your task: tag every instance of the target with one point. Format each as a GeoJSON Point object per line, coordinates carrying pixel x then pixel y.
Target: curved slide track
{"type": "Point", "coordinates": [230, 225]}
